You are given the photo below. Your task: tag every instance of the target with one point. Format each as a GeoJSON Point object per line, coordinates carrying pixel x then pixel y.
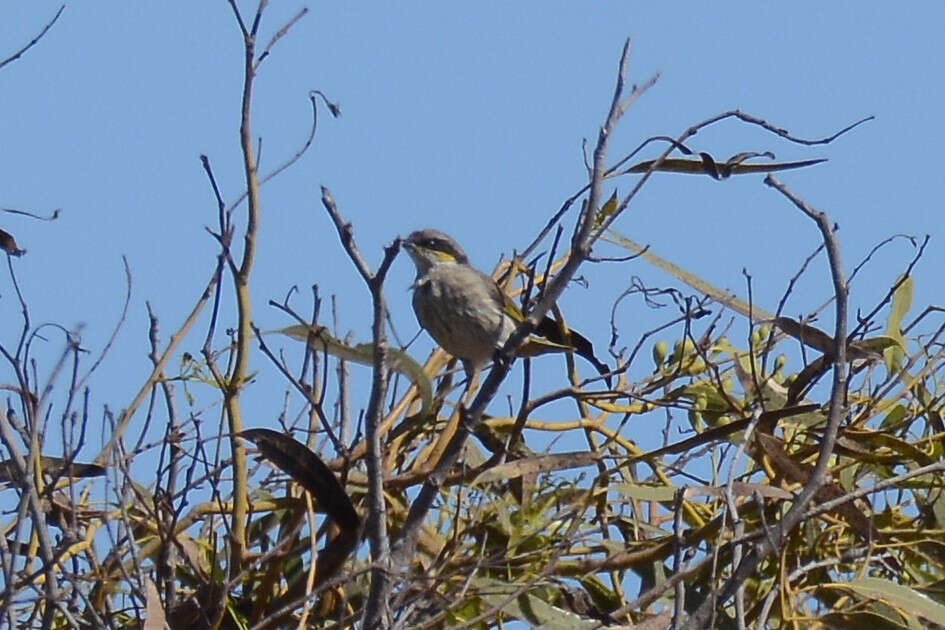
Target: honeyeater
{"type": "Point", "coordinates": [467, 313]}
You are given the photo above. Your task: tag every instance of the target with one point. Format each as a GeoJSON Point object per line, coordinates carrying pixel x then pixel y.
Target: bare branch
{"type": "Point", "coordinates": [581, 241]}
{"type": "Point", "coordinates": [282, 32]}
{"type": "Point", "coordinates": [835, 413]}
{"type": "Point", "coordinates": [33, 41]}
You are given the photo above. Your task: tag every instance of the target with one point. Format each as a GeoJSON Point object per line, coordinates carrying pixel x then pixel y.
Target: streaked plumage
{"type": "Point", "coordinates": [463, 309]}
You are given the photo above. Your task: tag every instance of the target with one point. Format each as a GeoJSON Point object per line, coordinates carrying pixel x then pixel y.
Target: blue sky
{"type": "Point", "coordinates": [464, 117]}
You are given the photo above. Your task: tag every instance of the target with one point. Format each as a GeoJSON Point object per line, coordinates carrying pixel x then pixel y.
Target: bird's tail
{"type": "Point", "coordinates": [550, 330]}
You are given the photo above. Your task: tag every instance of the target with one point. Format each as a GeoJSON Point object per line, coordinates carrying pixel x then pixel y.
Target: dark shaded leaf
{"type": "Point", "coordinates": [53, 466]}
{"type": "Point", "coordinates": [8, 244]}
{"type": "Point", "coordinates": [707, 165]}
{"type": "Point", "coordinates": [767, 419]}
{"type": "Point", "coordinates": [797, 472]}
{"type": "Point", "coordinates": [305, 467]}
{"type": "Point", "coordinates": [861, 349]}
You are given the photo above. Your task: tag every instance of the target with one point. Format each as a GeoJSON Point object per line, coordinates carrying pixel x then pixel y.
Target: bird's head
{"type": "Point", "coordinates": [430, 247]}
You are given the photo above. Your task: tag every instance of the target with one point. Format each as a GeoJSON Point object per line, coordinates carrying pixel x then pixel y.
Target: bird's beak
{"type": "Point", "coordinates": [412, 251]}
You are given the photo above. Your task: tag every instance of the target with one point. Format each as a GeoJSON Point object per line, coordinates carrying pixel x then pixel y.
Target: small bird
{"type": "Point", "coordinates": [466, 312]}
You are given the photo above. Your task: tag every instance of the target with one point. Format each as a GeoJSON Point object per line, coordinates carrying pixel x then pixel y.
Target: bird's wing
{"type": "Point", "coordinates": [549, 329]}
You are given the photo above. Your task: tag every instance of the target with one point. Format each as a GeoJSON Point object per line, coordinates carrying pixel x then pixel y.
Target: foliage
{"type": "Point", "coordinates": [608, 534]}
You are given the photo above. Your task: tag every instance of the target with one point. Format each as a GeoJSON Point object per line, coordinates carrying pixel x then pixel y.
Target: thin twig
{"type": "Point", "coordinates": [377, 607]}
{"type": "Point", "coordinates": [835, 413]}
{"type": "Point", "coordinates": [33, 41]}
{"type": "Point", "coordinates": [581, 242]}
{"type": "Point", "coordinates": [279, 34]}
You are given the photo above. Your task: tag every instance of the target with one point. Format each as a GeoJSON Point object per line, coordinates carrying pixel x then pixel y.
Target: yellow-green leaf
{"type": "Point", "coordinates": [719, 295]}
{"type": "Point", "coordinates": [320, 340]}
{"type": "Point", "coordinates": [607, 210]}
{"type": "Point", "coordinates": [645, 492]}
{"type": "Point", "coordinates": [537, 465]}
{"type": "Point", "coordinates": [901, 597]}
{"type": "Point", "coordinates": [530, 608]}
{"type": "Point", "coordinates": [901, 303]}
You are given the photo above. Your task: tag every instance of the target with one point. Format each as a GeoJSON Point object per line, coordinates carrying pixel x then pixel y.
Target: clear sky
{"type": "Point", "coordinates": [465, 117]}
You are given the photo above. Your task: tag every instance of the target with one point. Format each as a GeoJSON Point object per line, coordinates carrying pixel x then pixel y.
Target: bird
{"type": "Point", "coordinates": [465, 310]}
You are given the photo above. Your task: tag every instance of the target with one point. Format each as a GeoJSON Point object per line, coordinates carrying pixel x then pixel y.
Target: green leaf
{"type": "Point", "coordinates": [603, 597]}
{"type": "Point", "coordinates": [893, 418]}
{"type": "Point", "coordinates": [938, 509]}
{"type": "Point", "coordinates": [320, 340]}
{"type": "Point", "coordinates": [862, 348]}
{"type": "Point", "coordinates": [645, 492]}
{"type": "Point", "coordinates": [609, 207]}
{"type": "Point", "coordinates": [902, 597]}
{"type": "Point", "coordinates": [536, 465]}
{"type": "Point", "coordinates": [901, 303]}
{"type": "Point", "coordinates": [883, 443]}
{"type": "Point", "coordinates": [530, 608]}
{"type": "Point", "coordinates": [772, 393]}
